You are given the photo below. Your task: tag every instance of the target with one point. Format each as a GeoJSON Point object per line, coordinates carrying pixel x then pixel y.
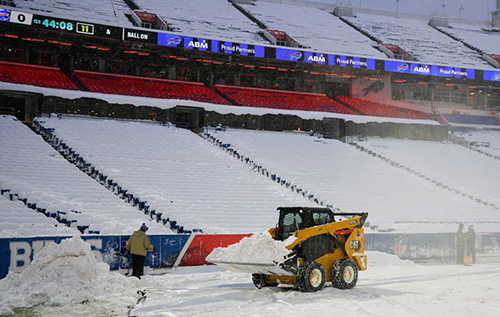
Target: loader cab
{"type": "Point", "coordinates": [292, 219]}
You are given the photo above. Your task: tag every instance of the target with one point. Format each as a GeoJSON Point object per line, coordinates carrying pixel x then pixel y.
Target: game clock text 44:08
{"type": "Point", "coordinates": [55, 24]}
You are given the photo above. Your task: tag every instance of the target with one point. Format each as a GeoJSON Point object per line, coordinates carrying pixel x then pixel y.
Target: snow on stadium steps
{"type": "Point", "coordinates": [178, 173]}
{"type": "Point", "coordinates": [34, 171]}
{"type": "Point", "coordinates": [355, 181]}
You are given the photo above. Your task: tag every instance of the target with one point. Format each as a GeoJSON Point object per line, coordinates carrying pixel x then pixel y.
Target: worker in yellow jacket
{"type": "Point", "coordinates": [138, 244]}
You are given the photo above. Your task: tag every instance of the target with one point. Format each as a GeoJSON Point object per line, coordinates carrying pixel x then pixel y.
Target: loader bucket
{"type": "Point", "coordinates": [262, 268]}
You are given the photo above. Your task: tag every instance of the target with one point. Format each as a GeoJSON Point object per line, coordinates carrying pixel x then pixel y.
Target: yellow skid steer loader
{"type": "Point", "coordinates": [324, 246]}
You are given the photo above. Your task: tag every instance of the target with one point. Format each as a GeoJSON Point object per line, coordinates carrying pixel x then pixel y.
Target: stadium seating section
{"type": "Point", "coordinates": [266, 98]}
{"type": "Point", "coordinates": [147, 87]}
{"type": "Point", "coordinates": [171, 89]}
{"type": "Point", "coordinates": [379, 110]}
{"type": "Point", "coordinates": [33, 172]}
{"type": "Point", "coordinates": [49, 77]}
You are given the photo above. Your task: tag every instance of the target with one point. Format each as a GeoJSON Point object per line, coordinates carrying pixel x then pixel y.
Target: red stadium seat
{"type": "Point", "coordinates": [280, 99]}
{"type": "Point", "coordinates": [370, 108]}
{"type": "Point", "coordinates": [43, 76]}
{"type": "Point", "coordinates": [147, 87]}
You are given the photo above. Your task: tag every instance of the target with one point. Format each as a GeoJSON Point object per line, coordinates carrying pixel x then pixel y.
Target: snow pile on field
{"type": "Point", "coordinates": [259, 248]}
{"type": "Point", "coordinates": [64, 274]}
{"type": "Point", "coordinates": [376, 258]}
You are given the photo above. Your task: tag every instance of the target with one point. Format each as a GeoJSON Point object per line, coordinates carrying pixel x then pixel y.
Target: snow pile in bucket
{"type": "Point", "coordinates": [259, 248]}
{"type": "Point", "coordinates": [66, 273]}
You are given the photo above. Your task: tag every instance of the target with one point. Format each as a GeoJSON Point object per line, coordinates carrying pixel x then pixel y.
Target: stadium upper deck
{"type": "Point", "coordinates": [110, 12]}
{"type": "Point", "coordinates": [425, 43]}
{"type": "Point", "coordinates": [317, 29]}
{"type": "Point", "coordinates": [488, 42]}
{"type": "Point", "coordinates": [213, 19]}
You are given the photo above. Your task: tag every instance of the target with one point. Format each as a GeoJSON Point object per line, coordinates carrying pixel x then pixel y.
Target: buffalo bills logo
{"type": "Point", "coordinates": [174, 40]}
{"type": "Point", "coordinates": [402, 67]}
{"type": "Point", "coordinates": [296, 55]}
{"type": "Point", "coordinates": [4, 15]}
{"type": "Point", "coordinates": [375, 88]}
{"type": "Point", "coordinates": [497, 77]}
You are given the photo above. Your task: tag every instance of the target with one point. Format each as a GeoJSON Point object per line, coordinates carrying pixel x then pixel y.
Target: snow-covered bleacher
{"type": "Point", "coordinates": [473, 174]}
{"type": "Point", "coordinates": [216, 19]}
{"type": "Point", "coordinates": [481, 139]}
{"type": "Point", "coordinates": [18, 220]}
{"type": "Point", "coordinates": [425, 43]}
{"type": "Point", "coordinates": [487, 42]}
{"type": "Point", "coordinates": [352, 180]}
{"type": "Point", "coordinates": [180, 176]}
{"type": "Point", "coordinates": [317, 29]}
{"type": "Point", "coordinates": [110, 12]}
{"type": "Point", "coordinates": [33, 173]}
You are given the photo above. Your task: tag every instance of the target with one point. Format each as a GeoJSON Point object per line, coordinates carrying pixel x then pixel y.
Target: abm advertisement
{"type": "Point", "coordinates": [431, 70]}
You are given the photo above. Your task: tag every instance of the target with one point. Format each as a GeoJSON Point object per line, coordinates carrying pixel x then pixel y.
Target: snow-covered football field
{"type": "Point", "coordinates": [390, 287]}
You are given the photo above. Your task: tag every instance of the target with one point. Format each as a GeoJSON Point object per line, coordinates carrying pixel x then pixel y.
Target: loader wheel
{"type": "Point", "coordinates": [259, 280]}
{"type": "Point", "coordinates": [344, 274]}
{"type": "Point", "coordinates": [311, 277]}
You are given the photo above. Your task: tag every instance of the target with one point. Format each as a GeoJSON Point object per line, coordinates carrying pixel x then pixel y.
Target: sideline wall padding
{"type": "Point", "coordinates": [189, 250]}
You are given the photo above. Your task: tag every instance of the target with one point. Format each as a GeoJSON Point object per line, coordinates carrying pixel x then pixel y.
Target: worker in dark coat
{"type": "Point", "coordinates": [138, 244]}
{"type": "Point", "coordinates": [460, 243]}
{"type": "Point", "coordinates": [470, 244]}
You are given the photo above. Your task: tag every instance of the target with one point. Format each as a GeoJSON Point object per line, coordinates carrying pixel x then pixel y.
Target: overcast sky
{"type": "Point", "coordinates": [473, 9]}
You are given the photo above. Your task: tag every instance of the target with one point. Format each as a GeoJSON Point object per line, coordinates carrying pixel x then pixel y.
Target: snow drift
{"type": "Point", "coordinates": [64, 274]}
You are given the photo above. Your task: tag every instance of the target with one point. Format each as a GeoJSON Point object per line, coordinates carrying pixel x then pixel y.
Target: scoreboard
{"type": "Point", "coordinates": [61, 25]}
{"type": "Point", "coordinates": [234, 48]}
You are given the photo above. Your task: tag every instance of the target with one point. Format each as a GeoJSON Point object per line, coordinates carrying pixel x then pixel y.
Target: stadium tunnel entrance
{"type": "Point", "coordinates": [191, 118]}
{"type": "Point", "coordinates": [24, 106]}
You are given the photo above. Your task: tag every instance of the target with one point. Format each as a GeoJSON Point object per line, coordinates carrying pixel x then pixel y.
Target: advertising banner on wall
{"type": "Point", "coordinates": [427, 69]}
{"type": "Point", "coordinates": [237, 48]}
{"type": "Point", "coordinates": [351, 61]}
{"type": "Point", "coordinates": [203, 44]}
{"type": "Point", "coordinates": [493, 75]}
{"type": "Point", "coordinates": [172, 250]}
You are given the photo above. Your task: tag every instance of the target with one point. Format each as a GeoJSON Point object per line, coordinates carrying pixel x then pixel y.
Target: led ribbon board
{"type": "Point", "coordinates": [322, 58]}
{"type": "Point", "coordinates": [492, 75]}
{"type": "Point", "coordinates": [203, 44]}
{"type": "Point", "coordinates": [430, 70]}
{"type": "Point", "coordinates": [351, 61]}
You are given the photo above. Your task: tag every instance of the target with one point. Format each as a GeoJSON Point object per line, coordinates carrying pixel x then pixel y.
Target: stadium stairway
{"type": "Point", "coordinates": [360, 30]}
{"type": "Point", "coordinates": [73, 157]}
{"type": "Point", "coordinates": [249, 15]}
{"type": "Point", "coordinates": [423, 176]}
{"type": "Point", "coordinates": [261, 169]}
{"type": "Point", "coordinates": [458, 40]}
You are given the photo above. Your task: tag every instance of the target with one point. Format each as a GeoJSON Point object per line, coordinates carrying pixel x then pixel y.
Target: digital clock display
{"type": "Point", "coordinates": [56, 24]}
{"type": "Point", "coordinates": [85, 28]}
